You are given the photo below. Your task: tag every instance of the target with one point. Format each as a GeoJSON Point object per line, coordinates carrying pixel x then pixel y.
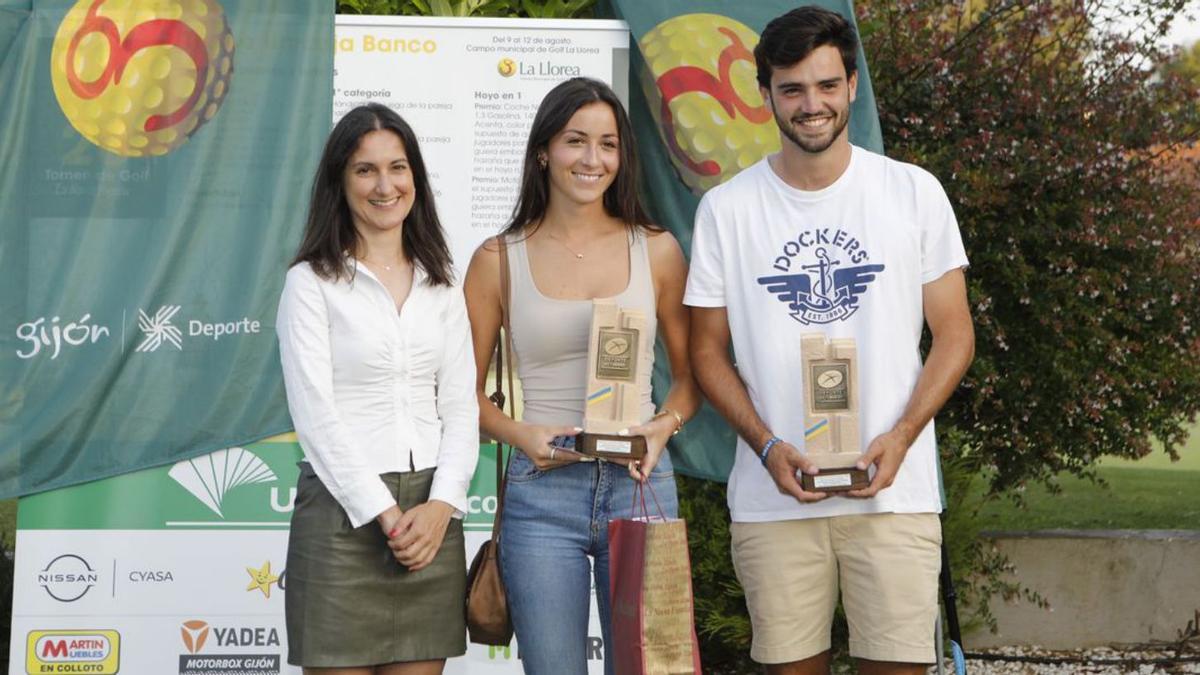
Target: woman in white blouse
{"type": "Point", "coordinates": [379, 372]}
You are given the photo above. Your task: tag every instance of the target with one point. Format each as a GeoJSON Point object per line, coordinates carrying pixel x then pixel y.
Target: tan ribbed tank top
{"type": "Point", "coordinates": [550, 337]}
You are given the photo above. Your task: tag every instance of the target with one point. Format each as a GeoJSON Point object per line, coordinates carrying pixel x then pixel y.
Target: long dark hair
{"type": "Point", "coordinates": [329, 232]}
{"type": "Point", "coordinates": [621, 200]}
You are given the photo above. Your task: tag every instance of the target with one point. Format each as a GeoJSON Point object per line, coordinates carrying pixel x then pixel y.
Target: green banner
{"type": "Point", "coordinates": [239, 488]}
{"type": "Point", "coordinates": [13, 14]}
{"type": "Point", "coordinates": [155, 160]}
{"type": "Point", "coordinates": [699, 119]}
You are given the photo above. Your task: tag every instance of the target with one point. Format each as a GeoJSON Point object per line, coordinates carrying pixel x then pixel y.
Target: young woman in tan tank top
{"type": "Point", "coordinates": [578, 233]}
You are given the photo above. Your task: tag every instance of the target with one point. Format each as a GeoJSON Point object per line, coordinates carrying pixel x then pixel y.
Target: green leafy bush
{"type": "Point", "coordinates": [6, 599]}
{"type": "Point", "coordinates": [722, 623]}
{"type": "Point", "coordinates": [1049, 129]}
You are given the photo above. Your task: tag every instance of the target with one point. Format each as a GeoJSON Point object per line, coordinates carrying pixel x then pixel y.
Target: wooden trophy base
{"type": "Point", "coordinates": [611, 446]}
{"type": "Point", "coordinates": [836, 480]}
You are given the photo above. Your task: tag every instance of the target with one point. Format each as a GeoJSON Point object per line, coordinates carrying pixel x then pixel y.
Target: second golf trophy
{"type": "Point", "coordinates": [831, 414]}
{"type": "Point", "coordinates": [616, 348]}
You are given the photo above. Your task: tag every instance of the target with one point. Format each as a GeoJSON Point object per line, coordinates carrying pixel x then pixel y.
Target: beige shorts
{"type": "Point", "coordinates": [886, 565]}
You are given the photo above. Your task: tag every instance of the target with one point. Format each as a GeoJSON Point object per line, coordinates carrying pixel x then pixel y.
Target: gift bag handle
{"type": "Point", "coordinates": [639, 490]}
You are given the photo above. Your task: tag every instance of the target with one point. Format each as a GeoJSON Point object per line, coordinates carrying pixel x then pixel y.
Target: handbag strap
{"type": "Point", "coordinates": [503, 349]}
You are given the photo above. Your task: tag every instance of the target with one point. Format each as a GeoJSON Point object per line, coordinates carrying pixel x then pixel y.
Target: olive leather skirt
{"type": "Point", "coordinates": [349, 603]}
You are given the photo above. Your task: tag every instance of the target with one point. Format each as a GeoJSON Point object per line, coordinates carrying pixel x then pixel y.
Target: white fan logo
{"type": "Point", "coordinates": [158, 329]}
{"type": "Point", "coordinates": [210, 477]}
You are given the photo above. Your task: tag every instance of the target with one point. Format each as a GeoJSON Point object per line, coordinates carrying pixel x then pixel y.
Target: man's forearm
{"type": "Point", "coordinates": [720, 382]}
{"type": "Point", "coordinates": [947, 362]}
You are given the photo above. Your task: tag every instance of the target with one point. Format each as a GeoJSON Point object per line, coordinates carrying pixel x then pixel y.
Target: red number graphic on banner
{"type": "Point", "coordinates": [153, 33]}
{"type": "Point", "coordinates": [688, 79]}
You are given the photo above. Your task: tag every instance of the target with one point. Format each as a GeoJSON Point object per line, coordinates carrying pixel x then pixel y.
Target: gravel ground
{"type": "Point", "coordinates": [1170, 659]}
{"type": "Point", "coordinates": [1173, 658]}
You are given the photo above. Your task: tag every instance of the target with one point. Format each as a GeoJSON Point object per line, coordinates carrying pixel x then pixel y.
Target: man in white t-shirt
{"type": "Point", "coordinates": [829, 238]}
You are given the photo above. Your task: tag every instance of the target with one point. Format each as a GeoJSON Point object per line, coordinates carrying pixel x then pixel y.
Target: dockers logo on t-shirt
{"type": "Point", "coordinates": [822, 280]}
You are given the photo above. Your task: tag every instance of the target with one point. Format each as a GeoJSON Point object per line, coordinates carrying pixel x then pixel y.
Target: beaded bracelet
{"type": "Point", "coordinates": [767, 448]}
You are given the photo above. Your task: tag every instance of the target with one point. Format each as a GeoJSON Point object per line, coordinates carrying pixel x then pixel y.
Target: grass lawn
{"type": "Point", "coordinates": [1189, 457]}
{"type": "Point", "coordinates": [1152, 493]}
{"type": "Point", "coordinates": [1134, 499]}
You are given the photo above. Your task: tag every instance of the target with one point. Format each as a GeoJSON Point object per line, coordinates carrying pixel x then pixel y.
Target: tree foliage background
{"type": "Point", "coordinates": [1067, 152]}
{"type": "Point", "coordinates": [1060, 148]}
{"type": "Point", "coordinates": [538, 9]}
{"type": "Point", "coordinates": [1185, 63]}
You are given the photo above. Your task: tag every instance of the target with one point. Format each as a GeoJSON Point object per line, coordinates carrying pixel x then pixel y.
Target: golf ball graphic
{"type": "Point", "coordinates": [704, 97]}
{"type": "Point", "coordinates": [139, 77]}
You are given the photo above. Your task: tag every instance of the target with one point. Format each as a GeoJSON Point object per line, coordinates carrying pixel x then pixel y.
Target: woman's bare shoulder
{"type": "Point", "coordinates": [662, 245]}
{"type": "Point", "coordinates": [485, 264]}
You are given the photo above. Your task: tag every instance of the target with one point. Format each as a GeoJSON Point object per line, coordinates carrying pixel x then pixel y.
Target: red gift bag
{"type": "Point", "coordinates": [650, 588]}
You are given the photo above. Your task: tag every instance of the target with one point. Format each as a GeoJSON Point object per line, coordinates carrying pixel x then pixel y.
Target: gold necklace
{"type": "Point", "coordinates": [577, 254]}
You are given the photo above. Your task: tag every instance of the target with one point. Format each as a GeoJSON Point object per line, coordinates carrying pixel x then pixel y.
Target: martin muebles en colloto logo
{"type": "Point", "coordinates": [73, 651]}
{"type": "Point", "coordinates": [139, 78]}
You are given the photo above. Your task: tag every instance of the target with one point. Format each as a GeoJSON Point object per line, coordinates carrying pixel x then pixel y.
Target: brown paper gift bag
{"type": "Point", "coordinates": [650, 585]}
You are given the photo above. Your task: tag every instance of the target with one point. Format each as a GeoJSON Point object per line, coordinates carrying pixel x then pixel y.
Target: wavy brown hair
{"type": "Point", "coordinates": [621, 199]}
{"type": "Point", "coordinates": [329, 231]}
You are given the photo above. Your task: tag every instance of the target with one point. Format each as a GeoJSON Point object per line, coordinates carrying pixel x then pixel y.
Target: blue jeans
{"type": "Point", "coordinates": [552, 522]}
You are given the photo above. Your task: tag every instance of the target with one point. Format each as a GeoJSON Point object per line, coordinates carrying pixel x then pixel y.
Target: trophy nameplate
{"type": "Point", "coordinates": [617, 346]}
{"type": "Point", "coordinates": [831, 438]}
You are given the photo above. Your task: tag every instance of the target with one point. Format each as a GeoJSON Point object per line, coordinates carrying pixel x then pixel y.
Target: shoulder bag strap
{"type": "Point", "coordinates": [503, 349]}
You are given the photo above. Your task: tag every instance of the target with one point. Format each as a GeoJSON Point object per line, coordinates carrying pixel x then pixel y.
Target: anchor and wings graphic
{"type": "Point", "coordinates": [832, 297]}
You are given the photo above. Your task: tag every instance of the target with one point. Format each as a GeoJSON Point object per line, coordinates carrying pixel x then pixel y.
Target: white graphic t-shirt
{"type": "Point", "coordinates": [846, 261]}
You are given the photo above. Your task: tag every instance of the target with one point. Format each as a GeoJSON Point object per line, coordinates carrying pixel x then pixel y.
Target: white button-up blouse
{"type": "Point", "coordinates": [372, 390]}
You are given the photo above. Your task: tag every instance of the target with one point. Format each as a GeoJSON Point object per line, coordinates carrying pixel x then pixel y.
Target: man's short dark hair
{"type": "Point", "coordinates": [789, 39]}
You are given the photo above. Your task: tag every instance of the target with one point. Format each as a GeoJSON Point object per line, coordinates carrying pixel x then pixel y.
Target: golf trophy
{"type": "Point", "coordinates": [616, 347]}
{"type": "Point", "coordinates": [831, 414]}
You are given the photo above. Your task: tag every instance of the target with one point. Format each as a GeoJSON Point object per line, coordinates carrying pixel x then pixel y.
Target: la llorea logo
{"type": "Point", "coordinates": [823, 281]}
